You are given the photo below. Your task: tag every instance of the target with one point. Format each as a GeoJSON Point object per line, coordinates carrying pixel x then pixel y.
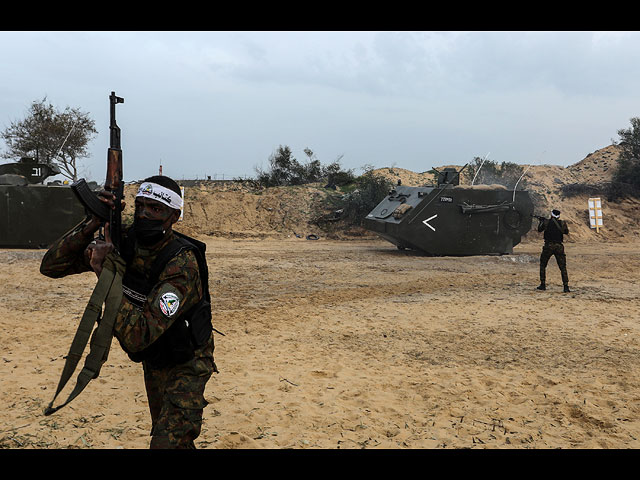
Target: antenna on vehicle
{"type": "Point", "coordinates": [483, 160]}
{"type": "Point", "coordinates": [525, 172]}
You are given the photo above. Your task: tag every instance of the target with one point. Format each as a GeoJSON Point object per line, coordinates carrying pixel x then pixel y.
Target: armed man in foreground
{"type": "Point", "coordinates": [554, 230]}
{"type": "Point", "coordinates": [162, 319]}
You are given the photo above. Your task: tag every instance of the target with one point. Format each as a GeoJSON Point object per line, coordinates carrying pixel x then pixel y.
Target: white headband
{"type": "Point", "coordinates": [554, 215]}
{"type": "Point", "coordinates": [161, 194]}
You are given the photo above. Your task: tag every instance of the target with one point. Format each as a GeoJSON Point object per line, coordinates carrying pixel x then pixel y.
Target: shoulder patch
{"type": "Point", "coordinates": [169, 303]}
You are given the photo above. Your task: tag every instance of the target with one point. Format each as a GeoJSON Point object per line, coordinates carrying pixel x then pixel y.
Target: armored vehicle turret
{"type": "Point", "coordinates": [453, 219]}
{"type": "Point", "coordinates": [34, 215]}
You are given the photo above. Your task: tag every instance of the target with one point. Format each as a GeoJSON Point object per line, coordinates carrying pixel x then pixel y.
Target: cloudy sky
{"type": "Point", "coordinates": [220, 103]}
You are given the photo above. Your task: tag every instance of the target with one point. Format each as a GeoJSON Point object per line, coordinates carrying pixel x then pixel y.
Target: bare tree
{"type": "Point", "coordinates": [51, 136]}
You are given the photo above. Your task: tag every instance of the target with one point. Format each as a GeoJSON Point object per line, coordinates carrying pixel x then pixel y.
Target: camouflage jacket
{"type": "Point", "coordinates": [66, 256]}
{"type": "Point", "coordinates": [178, 287]}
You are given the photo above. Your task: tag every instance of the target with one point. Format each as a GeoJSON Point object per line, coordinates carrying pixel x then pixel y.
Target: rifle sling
{"type": "Point", "coordinates": [108, 290]}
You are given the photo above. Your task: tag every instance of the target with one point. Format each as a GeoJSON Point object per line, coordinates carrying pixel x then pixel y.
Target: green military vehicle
{"type": "Point", "coordinates": [453, 219]}
{"type": "Point", "coordinates": [32, 214]}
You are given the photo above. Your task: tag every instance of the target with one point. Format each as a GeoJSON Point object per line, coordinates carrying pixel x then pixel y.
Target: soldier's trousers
{"type": "Point", "coordinates": [176, 399]}
{"type": "Point", "coordinates": [556, 250]}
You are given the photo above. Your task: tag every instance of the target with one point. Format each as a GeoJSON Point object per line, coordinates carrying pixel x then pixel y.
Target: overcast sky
{"type": "Point", "coordinates": [220, 103]}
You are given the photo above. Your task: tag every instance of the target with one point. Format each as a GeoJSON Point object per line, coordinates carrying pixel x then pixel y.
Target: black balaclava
{"type": "Point", "coordinates": [148, 232]}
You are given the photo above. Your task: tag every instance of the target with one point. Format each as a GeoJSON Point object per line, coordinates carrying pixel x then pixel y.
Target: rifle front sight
{"type": "Point", "coordinates": [113, 126]}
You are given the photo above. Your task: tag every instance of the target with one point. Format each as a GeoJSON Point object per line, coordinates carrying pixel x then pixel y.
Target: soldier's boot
{"type": "Point", "coordinates": [566, 289]}
{"type": "Point", "coordinates": [541, 287]}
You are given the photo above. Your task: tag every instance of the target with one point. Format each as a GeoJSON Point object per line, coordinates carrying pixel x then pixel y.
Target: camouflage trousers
{"type": "Point", "coordinates": [176, 399]}
{"type": "Point", "coordinates": [556, 250]}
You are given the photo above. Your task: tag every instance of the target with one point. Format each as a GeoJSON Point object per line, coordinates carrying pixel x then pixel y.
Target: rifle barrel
{"type": "Point", "coordinates": [113, 126]}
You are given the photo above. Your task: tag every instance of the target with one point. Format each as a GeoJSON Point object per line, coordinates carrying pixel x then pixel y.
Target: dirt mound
{"type": "Point", "coordinates": [235, 209]}
{"type": "Point", "coordinates": [598, 166]}
{"type": "Point", "coordinates": [407, 177]}
{"type": "Point", "coordinates": [239, 210]}
{"type": "Point", "coordinates": [621, 219]}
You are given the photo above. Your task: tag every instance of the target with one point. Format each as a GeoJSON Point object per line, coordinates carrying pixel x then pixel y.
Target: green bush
{"type": "Point", "coordinates": [506, 173]}
{"type": "Point", "coordinates": [361, 196]}
{"type": "Point", "coordinates": [626, 179]}
{"type": "Point", "coordinates": [285, 170]}
{"type": "Point", "coordinates": [336, 176]}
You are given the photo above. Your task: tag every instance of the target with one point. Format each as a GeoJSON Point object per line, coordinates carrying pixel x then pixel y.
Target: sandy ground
{"type": "Point", "coordinates": [355, 344]}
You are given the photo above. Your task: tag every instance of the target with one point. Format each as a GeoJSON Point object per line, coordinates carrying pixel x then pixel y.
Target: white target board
{"type": "Point", "coordinates": [595, 213]}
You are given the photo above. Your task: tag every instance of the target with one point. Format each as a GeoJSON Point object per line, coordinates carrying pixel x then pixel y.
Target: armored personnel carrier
{"type": "Point", "coordinates": [453, 219]}
{"type": "Point", "coordinates": [32, 214]}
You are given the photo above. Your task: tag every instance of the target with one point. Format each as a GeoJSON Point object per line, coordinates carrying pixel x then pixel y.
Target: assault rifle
{"type": "Point", "coordinates": [538, 217]}
{"type": "Point", "coordinates": [108, 290]}
{"type": "Point", "coordinates": [113, 183]}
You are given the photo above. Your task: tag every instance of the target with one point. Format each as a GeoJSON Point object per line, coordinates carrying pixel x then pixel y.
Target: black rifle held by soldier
{"type": "Point", "coordinates": [108, 291]}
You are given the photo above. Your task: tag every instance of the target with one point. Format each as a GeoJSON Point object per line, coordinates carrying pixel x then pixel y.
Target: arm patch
{"type": "Point", "coordinates": [169, 300]}
{"type": "Point", "coordinates": [169, 303]}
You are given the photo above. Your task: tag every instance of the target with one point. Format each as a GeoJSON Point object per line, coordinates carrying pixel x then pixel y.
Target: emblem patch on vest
{"type": "Point", "coordinates": [169, 303]}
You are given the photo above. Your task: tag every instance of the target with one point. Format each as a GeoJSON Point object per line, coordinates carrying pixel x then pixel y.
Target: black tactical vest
{"type": "Point", "coordinates": [553, 231]}
{"type": "Point", "coordinates": [189, 331]}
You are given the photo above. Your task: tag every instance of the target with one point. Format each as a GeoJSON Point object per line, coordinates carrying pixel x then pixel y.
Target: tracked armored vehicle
{"type": "Point", "coordinates": [453, 219]}
{"type": "Point", "coordinates": [32, 214]}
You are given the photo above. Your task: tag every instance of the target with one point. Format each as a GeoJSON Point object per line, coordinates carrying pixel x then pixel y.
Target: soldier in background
{"type": "Point", "coordinates": [554, 230]}
{"type": "Point", "coordinates": [175, 387]}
